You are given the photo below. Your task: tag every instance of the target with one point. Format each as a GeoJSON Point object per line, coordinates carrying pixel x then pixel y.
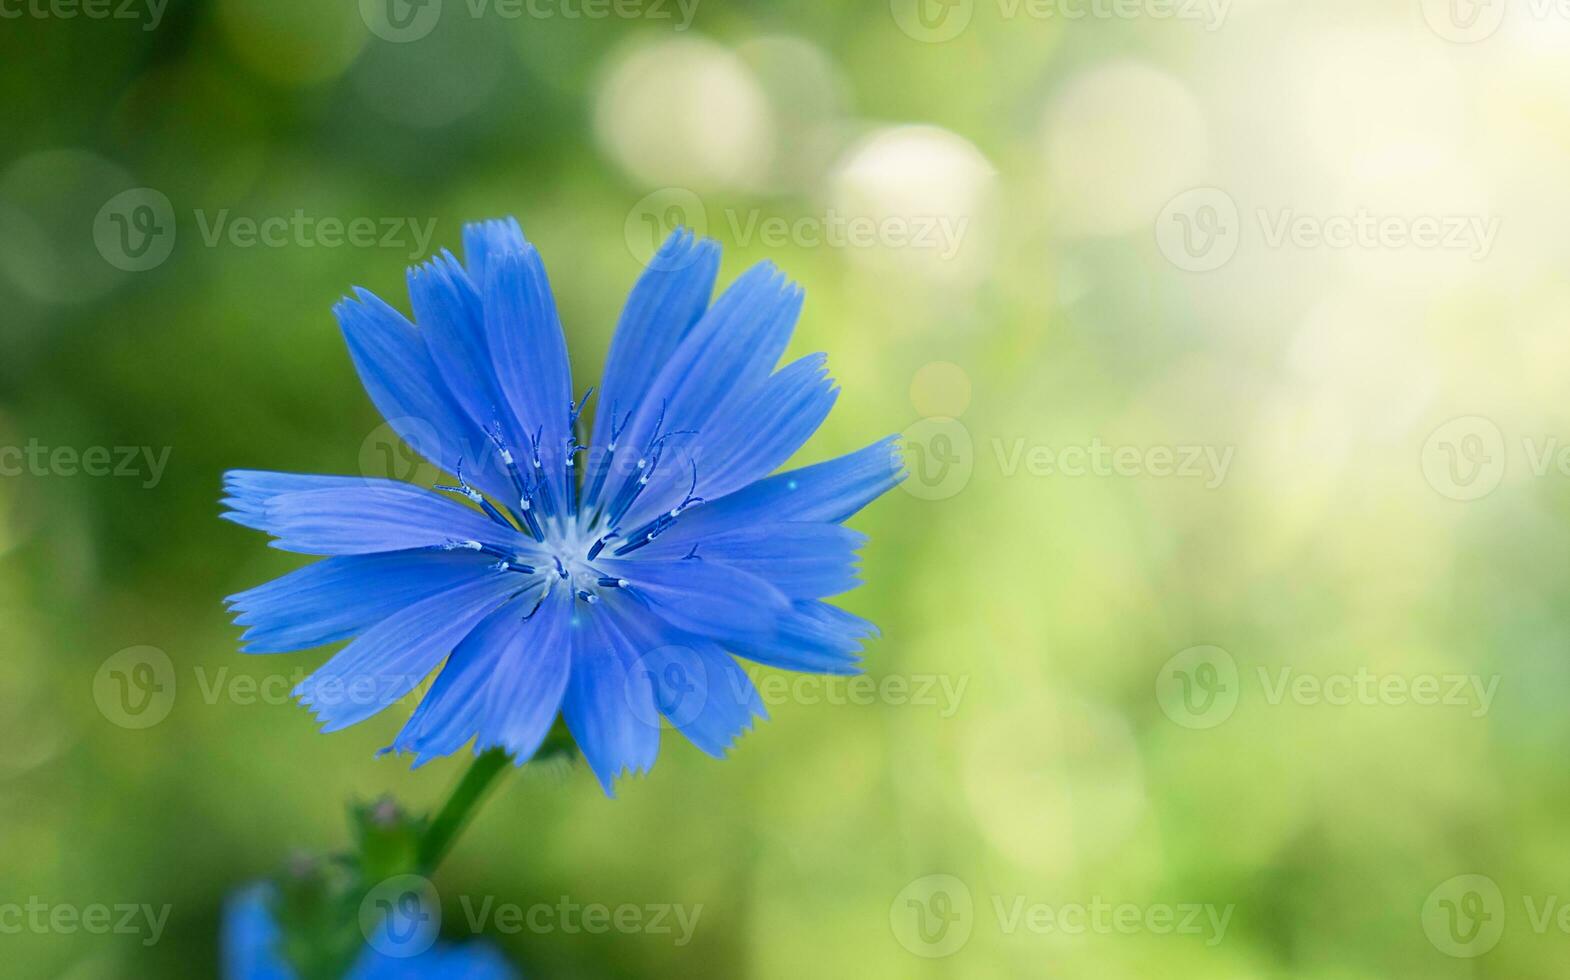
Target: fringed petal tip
{"type": "Point", "coordinates": [898, 470]}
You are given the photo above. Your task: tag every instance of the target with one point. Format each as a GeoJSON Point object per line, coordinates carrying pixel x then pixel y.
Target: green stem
{"type": "Point", "coordinates": [449, 823]}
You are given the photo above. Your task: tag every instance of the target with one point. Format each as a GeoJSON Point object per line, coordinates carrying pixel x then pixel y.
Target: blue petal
{"type": "Point", "coordinates": [802, 560]}
{"type": "Point", "coordinates": [530, 353]}
{"type": "Point", "coordinates": [610, 704]}
{"type": "Point", "coordinates": [696, 685]}
{"type": "Point", "coordinates": [387, 516]}
{"type": "Point", "coordinates": [814, 637]}
{"type": "Point", "coordinates": [251, 950]}
{"type": "Point", "coordinates": [761, 429]}
{"type": "Point", "coordinates": [451, 319]}
{"type": "Point", "coordinates": [336, 598]}
{"type": "Point", "coordinates": [443, 961]}
{"type": "Point", "coordinates": [831, 491]}
{"type": "Point", "coordinates": [390, 658]}
{"type": "Point", "coordinates": [533, 659]}
{"type": "Point", "coordinates": [729, 705]}
{"type": "Point", "coordinates": [247, 492]}
{"type": "Point", "coordinates": [251, 937]}
{"type": "Point", "coordinates": [504, 683]}
{"type": "Point", "coordinates": [703, 597]}
{"type": "Point", "coordinates": [664, 305]}
{"type": "Point", "coordinates": [733, 347]}
{"type": "Point", "coordinates": [483, 239]}
{"type": "Point", "coordinates": [751, 436]}
{"type": "Point", "coordinates": [403, 381]}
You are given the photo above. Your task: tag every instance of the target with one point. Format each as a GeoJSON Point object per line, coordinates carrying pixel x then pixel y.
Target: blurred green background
{"type": "Point", "coordinates": [1228, 588]}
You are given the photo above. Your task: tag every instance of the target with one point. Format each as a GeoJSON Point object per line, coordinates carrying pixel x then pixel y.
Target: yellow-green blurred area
{"type": "Point", "coordinates": [1224, 615]}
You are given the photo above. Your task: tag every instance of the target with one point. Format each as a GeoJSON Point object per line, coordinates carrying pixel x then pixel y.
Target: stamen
{"type": "Point", "coordinates": [475, 496]}
{"type": "Point", "coordinates": [543, 485]}
{"type": "Point", "coordinates": [576, 411]}
{"type": "Point", "coordinates": [591, 497]}
{"type": "Point", "coordinates": [522, 487]}
{"type": "Point", "coordinates": [506, 561]}
{"type": "Point", "coordinates": [662, 523]}
{"type": "Point", "coordinates": [573, 445]}
{"type": "Point", "coordinates": [512, 565]}
{"type": "Point", "coordinates": [613, 583]}
{"type": "Point", "coordinates": [646, 534]}
{"type": "Point", "coordinates": [600, 543]}
{"type": "Point", "coordinates": [538, 603]}
{"type": "Point", "coordinates": [690, 500]}
{"type": "Point", "coordinates": [525, 507]}
{"type": "Point", "coordinates": [588, 596]}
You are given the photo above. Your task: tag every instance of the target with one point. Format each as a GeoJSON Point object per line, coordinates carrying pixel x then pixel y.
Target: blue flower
{"type": "Point", "coordinates": [608, 582]}
{"type": "Point", "coordinates": [252, 939]}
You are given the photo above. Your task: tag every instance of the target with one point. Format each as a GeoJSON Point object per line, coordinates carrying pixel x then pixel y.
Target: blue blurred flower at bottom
{"type": "Point", "coordinates": [251, 940]}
